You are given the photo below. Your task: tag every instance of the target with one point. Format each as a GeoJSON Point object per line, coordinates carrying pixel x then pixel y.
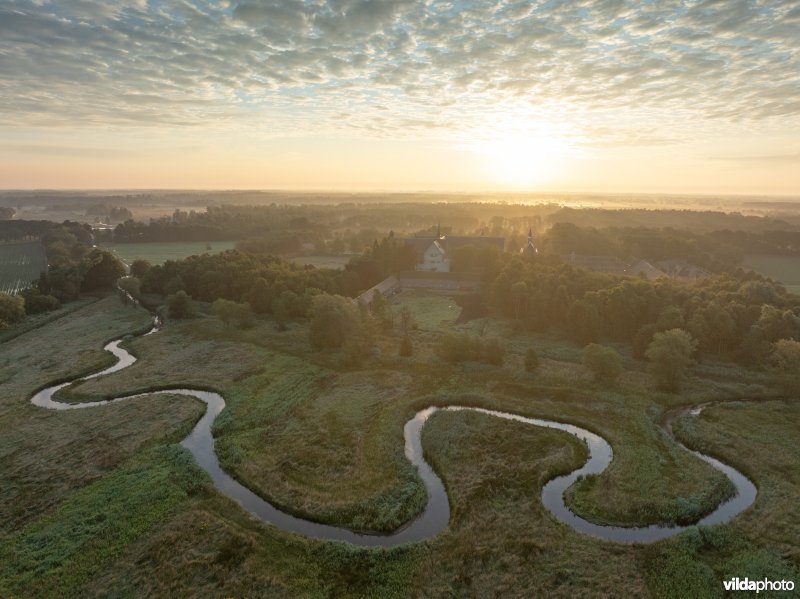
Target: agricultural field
{"type": "Point", "coordinates": [20, 263]}
{"type": "Point", "coordinates": [160, 252]}
{"type": "Point", "coordinates": [785, 269]}
{"type": "Point", "coordinates": [334, 262]}
{"type": "Point", "coordinates": [325, 441]}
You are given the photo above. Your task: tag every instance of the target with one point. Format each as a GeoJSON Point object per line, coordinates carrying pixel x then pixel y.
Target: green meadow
{"type": "Point", "coordinates": [104, 501]}
{"type": "Point", "coordinates": [785, 269]}
{"type": "Point", "coordinates": [335, 262]}
{"type": "Point", "coordinates": [160, 252]}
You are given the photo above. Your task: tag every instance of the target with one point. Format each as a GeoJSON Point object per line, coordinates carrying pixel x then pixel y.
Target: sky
{"type": "Point", "coordinates": [581, 96]}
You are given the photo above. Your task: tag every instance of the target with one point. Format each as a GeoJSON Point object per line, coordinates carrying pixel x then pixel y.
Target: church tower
{"type": "Point", "coordinates": [530, 247]}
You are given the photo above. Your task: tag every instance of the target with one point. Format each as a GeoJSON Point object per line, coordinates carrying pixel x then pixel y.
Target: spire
{"type": "Point", "coordinates": [438, 230]}
{"type": "Point", "coordinates": [530, 247]}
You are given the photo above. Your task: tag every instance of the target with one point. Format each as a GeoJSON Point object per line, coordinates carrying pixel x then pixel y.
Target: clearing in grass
{"type": "Point", "coordinates": [160, 252]}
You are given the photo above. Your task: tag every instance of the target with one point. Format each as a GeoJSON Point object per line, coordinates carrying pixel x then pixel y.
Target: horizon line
{"type": "Point", "coordinates": [357, 191]}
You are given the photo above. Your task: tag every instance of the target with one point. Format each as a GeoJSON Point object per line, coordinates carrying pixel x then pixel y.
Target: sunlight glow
{"type": "Point", "coordinates": [518, 150]}
{"type": "Point", "coordinates": [521, 160]}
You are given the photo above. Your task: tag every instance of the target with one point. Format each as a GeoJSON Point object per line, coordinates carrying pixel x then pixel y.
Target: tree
{"type": "Point", "coordinates": [785, 365]}
{"type": "Point", "coordinates": [180, 305]}
{"type": "Point", "coordinates": [531, 360]}
{"type": "Point", "coordinates": [643, 339]}
{"type": "Point", "coordinates": [228, 311]}
{"type": "Point", "coordinates": [63, 282]}
{"type": "Point", "coordinates": [131, 285]}
{"type": "Point", "coordinates": [713, 327]}
{"type": "Point", "coordinates": [260, 297]}
{"type": "Point", "coordinates": [604, 362]}
{"type": "Point", "coordinates": [36, 302]}
{"type": "Point", "coordinates": [583, 321]}
{"type": "Point", "coordinates": [670, 355]}
{"type": "Point", "coordinates": [139, 268]}
{"type": "Point", "coordinates": [335, 318]}
{"type": "Point", "coordinates": [174, 285]}
{"type": "Point", "coordinates": [225, 310]}
{"type": "Point", "coordinates": [772, 325]}
{"type": "Point", "coordinates": [101, 270]}
{"type": "Point", "coordinates": [379, 308]}
{"type": "Point", "coordinates": [12, 308]}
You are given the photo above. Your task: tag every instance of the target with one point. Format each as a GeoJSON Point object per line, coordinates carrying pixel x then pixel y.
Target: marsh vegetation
{"type": "Point", "coordinates": [327, 443]}
{"type": "Point", "coordinates": [318, 389]}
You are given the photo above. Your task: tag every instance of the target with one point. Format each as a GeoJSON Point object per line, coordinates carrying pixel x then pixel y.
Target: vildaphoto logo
{"type": "Point", "coordinates": [745, 584]}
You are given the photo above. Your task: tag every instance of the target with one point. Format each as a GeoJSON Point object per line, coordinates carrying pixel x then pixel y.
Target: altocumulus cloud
{"type": "Point", "coordinates": [390, 67]}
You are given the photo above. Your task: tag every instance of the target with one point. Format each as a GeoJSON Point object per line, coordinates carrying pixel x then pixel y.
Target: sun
{"type": "Point", "coordinates": [521, 160]}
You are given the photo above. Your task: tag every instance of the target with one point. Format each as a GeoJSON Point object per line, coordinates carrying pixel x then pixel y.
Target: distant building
{"type": "Point", "coordinates": [387, 287]}
{"type": "Point", "coordinates": [437, 251]}
{"type": "Point", "coordinates": [642, 268]}
{"type": "Point", "coordinates": [530, 247]}
{"type": "Point", "coordinates": [635, 267]}
{"type": "Point", "coordinates": [682, 270]}
{"type": "Point", "coordinates": [609, 264]}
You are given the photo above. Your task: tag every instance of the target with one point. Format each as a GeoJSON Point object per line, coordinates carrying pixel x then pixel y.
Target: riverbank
{"type": "Point", "coordinates": [302, 427]}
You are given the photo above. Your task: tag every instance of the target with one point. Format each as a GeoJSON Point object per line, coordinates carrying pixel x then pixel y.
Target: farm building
{"type": "Point", "coordinates": [437, 251]}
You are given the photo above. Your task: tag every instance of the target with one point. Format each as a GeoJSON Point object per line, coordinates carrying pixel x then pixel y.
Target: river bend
{"type": "Point", "coordinates": [436, 514]}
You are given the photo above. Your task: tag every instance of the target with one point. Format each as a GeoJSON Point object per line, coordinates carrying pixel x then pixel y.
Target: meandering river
{"type": "Point", "coordinates": [436, 515]}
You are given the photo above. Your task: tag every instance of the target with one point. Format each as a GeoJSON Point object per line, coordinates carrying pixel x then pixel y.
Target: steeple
{"type": "Point", "coordinates": [438, 230]}
{"type": "Point", "coordinates": [530, 247]}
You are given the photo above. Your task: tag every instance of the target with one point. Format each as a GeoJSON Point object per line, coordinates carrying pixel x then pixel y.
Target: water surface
{"type": "Point", "coordinates": [436, 514]}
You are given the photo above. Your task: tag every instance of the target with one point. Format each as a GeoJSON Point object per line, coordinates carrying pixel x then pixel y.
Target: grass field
{"type": "Point", "coordinates": [785, 269]}
{"type": "Point", "coordinates": [334, 262]}
{"type": "Point", "coordinates": [429, 312]}
{"type": "Point", "coordinates": [158, 252]}
{"type": "Point", "coordinates": [20, 263]}
{"type": "Point", "coordinates": [103, 502]}
{"type": "Point", "coordinates": [35, 321]}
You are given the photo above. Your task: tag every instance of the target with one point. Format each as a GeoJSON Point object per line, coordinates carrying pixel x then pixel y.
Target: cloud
{"type": "Point", "coordinates": [298, 65]}
{"type": "Point", "coordinates": [65, 151]}
{"type": "Point", "coordinates": [785, 158]}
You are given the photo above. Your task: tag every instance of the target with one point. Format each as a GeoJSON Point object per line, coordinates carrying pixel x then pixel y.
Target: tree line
{"type": "Point", "coordinates": [74, 267]}
{"type": "Point", "coordinates": [729, 317]}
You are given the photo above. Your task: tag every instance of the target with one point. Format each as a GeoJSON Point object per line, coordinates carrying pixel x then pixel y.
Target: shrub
{"type": "Point", "coordinates": [130, 284]}
{"type": "Point", "coordinates": [179, 305]}
{"type": "Point", "coordinates": [12, 308]}
{"type": "Point", "coordinates": [460, 347]}
{"type": "Point", "coordinates": [334, 319]}
{"type": "Point", "coordinates": [139, 268]}
{"type": "Point", "coordinates": [531, 360]}
{"type": "Point", "coordinates": [101, 270]}
{"type": "Point", "coordinates": [604, 362]}
{"type": "Point", "coordinates": [670, 355]}
{"type": "Point", "coordinates": [36, 302]}
{"type": "Point", "coordinates": [785, 365]}
{"type": "Point", "coordinates": [228, 311]}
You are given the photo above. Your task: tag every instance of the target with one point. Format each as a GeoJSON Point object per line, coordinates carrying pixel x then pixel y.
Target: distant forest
{"type": "Point", "coordinates": [713, 240]}
{"type": "Point", "coordinates": [733, 314]}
